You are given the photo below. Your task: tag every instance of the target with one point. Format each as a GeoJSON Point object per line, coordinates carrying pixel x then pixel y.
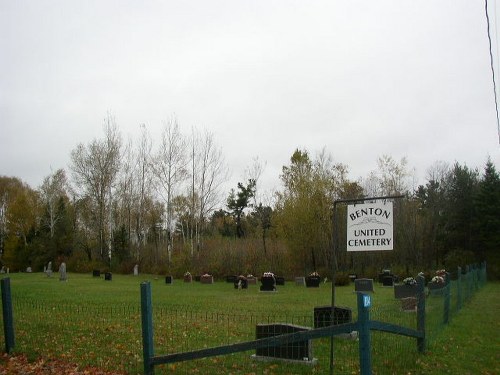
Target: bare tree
{"type": "Point", "coordinates": [169, 167]}
{"type": "Point", "coordinates": [144, 185]}
{"type": "Point", "coordinates": [208, 172]}
{"type": "Point", "coordinates": [392, 177]}
{"type": "Point", "coordinates": [52, 189]}
{"type": "Point", "coordinates": [95, 169]}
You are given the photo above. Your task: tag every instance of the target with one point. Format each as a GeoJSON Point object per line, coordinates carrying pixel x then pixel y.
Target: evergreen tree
{"type": "Point", "coordinates": [487, 202]}
{"type": "Point", "coordinates": [238, 201]}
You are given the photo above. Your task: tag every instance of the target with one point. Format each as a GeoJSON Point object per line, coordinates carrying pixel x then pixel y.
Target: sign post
{"type": "Point", "coordinates": [369, 227]}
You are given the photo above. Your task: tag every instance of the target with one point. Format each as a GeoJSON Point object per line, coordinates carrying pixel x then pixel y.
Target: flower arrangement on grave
{"type": "Point", "coordinates": [438, 281]}
{"type": "Point", "coordinates": [439, 278]}
{"type": "Point", "coordinates": [410, 281]}
{"type": "Point", "coordinates": [407, 289]}
{"type": "Point", "coordinates": [187, 277]}
{"type": "Point", "coordinates": [268, 274]}
{"type": "Point", "coordinates": [314, 274]}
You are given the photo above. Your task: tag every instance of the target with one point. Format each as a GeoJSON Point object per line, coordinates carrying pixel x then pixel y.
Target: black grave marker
{"type": "Point", "coordinates": [323, 316]}
{"type": "Point", "coordinates": [388, 280]}
{"type": "Point", "coordinates": [296, 351]}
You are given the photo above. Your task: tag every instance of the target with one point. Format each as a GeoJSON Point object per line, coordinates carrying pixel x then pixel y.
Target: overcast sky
{"type": "Point", "coordinates": [361, 79]}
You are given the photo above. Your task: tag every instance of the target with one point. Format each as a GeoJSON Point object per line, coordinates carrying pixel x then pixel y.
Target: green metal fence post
{"type": "Point", "coordinates": [8, 317]}
{"type": "Point", "coordinates": [365, 362]}
{"type": "Point", "coordinates": [421, 312]}
{"type": "Point", "coordinates": [459, 288]}
{"type": "Point", "coordinates": [147, 328]}
{"type": "Point", "coordinates": [447, 298]}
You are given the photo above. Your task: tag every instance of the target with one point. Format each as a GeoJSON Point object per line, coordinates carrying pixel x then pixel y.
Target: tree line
{"type": "Point", "coordinates": [160, 204]}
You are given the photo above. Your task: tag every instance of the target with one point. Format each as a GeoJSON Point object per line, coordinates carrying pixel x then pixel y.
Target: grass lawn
{"type": "Point", "coordinates": [95, 322]}
{"type": "Point", "coordinates": [470, 344]}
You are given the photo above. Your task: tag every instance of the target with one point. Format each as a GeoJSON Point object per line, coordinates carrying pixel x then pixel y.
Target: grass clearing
{"type": "Point", "coordinates": [95, 322]}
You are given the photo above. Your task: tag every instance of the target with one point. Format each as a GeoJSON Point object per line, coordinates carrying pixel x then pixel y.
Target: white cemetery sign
{"type": "Point", "coordinates": [369, 226]}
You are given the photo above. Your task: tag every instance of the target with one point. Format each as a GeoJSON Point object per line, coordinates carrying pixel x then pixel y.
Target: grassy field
{"type": "Point", "coordinates": [91, 321]}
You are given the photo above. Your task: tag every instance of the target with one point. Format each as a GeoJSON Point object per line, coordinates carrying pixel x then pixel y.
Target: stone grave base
{"type": "Point", "coordinates": [305, 361]}
{"type": "Point", "coordinates": [409, 304]}
{"type": "Point", "coordinates": [297, 352]}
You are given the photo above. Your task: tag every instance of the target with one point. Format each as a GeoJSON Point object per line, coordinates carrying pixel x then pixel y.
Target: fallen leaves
{"type": "Point", "coordinates": [19, 365]}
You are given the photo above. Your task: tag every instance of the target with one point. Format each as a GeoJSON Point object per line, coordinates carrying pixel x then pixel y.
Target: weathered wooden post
{"type": "Point", "coordinates": [147, 327]}
{"type": "Point", "coordinates": [8, 317]}
{"type": "Point", "coordinates": [365, 361]}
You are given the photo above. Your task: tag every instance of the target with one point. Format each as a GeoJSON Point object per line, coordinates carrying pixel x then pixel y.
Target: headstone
{"type": "Point", "coordinates": [108, 276]}
{"type": "Point", "coordinates": [388, 280]}
{"type": "Point", "coordinates": [62, 272]}
{"type": "Point", "coordinates": [207, 279]}
{"type": "Point", "coordinates": [313, 281]}
{"type": "Point", "coordinates": [136, 270]}
{"type": "Point", "coordinates": [296, 351]}
{"type": "Point", "coordinates": [323, 316]}
{"type": "Point", "coordinates": [241, 282]}
{"type": "Point", "coordinates": [353, 276]}
{"type": "Point", "coordinates": [363, 285]}
{"type": "Point", "coordinates": [268, 282]}
{"type": "Point", "coordinates": [280, 280]}
{"type": "Point", "coordinates": [3, 270]}
{"type": "Point", "coordinates": [231, 279]}
{"type": "Point", "coordinates": [96, 273]}
{"type": "Point", "coordinates": [383, 274]}
{"type": "Point", "coordinates": [251, 279]}
{"type": "Point", "coordinates": [300, 281]}
{"type": "Point", "coordinates": [404, 291]}
{"type": "Point", "coordinates": [169, 279]}
{"type": "Point", "coordinates": [187, 277]}
{"type": "Point", "coordinates": [29, 270]}
{"type": "Point", "coordinates": [48, 271]}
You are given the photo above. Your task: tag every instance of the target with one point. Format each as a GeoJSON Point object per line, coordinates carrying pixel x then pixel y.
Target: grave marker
{"type": "Point", "coordinates": [296, 351]}
{"type": "Point", "coordinates": [62, 272]}
{"type": "Point", "coordinates": [323, 316]}
{"type": "Point", "coordinates": [363, 285]}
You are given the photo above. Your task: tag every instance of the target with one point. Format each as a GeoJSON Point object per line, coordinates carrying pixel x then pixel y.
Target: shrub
{"type": "Point", "coordinates": [342, 279]}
